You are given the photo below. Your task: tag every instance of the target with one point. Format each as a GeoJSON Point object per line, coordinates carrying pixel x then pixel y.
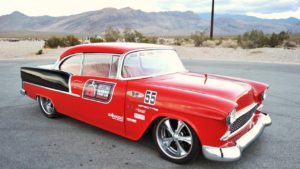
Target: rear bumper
{"type": "Point", "coordinates": [235, 152]}
{"type": "Point", "coordinates": [23, 92]}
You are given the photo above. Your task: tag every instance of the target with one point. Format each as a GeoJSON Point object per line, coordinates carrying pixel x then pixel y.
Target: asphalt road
{"type": "Point", "coordinates": [29, 140]}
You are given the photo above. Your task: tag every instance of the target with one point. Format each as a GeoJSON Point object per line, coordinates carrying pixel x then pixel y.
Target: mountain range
{"type": "Point", "coordinates": [150, 23]}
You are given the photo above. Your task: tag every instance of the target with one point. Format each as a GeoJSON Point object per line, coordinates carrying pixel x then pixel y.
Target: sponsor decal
{"type": "Point", "coordinates": [140, 110]}
{"type": "Point", "coordinates": [98, 91]}
{"type": "Point", "coordinates": [153, 108]}
{"type": "Point", "coordinates": [90, 90]}
{"type": "Point", "coordinates": [131, 120]}
{"type": "Point", "coordinates": [148, 107]}
{"type": "Point", "coordinates": [139, 116]}
{"type": "Point", "coordinates": [135, 94]}
{"type": "Point", "coordinates": [116, 117]}
{"type": "Point", "coordinates": [150, 97]}
{"type": "Point", "coordinates": [143, 106]}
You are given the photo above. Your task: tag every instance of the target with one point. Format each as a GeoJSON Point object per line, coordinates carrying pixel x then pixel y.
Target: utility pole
{"type": "Point", "coordinates": [212, 20]}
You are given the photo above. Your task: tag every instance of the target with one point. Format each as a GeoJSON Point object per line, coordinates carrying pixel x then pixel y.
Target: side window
{"type": "Point", "coordinates": [114, 66]}
{"type": "Point", "coordinates": [132, 66]}
{"type": "Point", "coordinates": [100, 65]}
{"type": "Point", "coordinates": [72, 65]}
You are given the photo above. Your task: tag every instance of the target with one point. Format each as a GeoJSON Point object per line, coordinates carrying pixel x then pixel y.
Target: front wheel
{"type": "Point", "coordinates": [176, 140]}
{"type": "Point", "coordinates": [47, 107]}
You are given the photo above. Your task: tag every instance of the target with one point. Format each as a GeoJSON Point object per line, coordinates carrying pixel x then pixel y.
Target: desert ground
{"type": "Point", "coordinates": [28, 49]}
{"type": "Point", "coordinates": [29, 140]}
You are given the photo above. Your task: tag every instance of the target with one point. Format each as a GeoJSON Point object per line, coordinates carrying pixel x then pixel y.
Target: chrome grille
{"type": "Point", "coordinates": [238, 123]}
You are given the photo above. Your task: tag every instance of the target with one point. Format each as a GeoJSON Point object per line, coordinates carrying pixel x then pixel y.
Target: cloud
{"type": "Point", "coordinates": [279, 15]}
{"type": "Point", "coordinates": [262, 8]}
{"type": "Point", "coordinates": [232, 6]}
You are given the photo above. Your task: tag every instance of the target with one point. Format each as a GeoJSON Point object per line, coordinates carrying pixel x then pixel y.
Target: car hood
{"type": "Point", "coordinates": [233, 90]}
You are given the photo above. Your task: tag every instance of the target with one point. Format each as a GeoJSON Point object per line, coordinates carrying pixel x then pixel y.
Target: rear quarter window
{"type": "Point", "coordinates": [72, 64]}
{"type": "Point", "coordinates": [100, 65]}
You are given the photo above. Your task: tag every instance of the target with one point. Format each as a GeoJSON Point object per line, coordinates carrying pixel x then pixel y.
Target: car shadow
{"type": "Point", "coordinates": [144, 145]}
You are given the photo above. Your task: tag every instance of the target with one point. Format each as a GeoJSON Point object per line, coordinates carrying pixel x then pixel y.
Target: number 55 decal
{"type": "Point", "coordinates": [150, 97]}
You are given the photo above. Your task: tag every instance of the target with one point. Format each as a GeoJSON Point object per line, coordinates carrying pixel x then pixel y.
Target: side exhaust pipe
{"type": "Point", "coordinates": [23, 92]}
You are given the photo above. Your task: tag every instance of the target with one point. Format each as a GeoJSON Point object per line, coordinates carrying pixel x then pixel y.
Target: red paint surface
{"type": "Point", "coordinates": [203, 101]}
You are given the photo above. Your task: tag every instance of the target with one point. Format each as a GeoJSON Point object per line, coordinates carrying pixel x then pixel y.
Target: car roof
{"type": "Point", "coordinates": [114, 47]}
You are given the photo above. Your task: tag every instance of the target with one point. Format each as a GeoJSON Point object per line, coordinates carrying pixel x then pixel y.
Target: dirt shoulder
{"type": "Point", "coordinates": [268, 55]}
{"type": "Point", "coordinates": [28, 49]}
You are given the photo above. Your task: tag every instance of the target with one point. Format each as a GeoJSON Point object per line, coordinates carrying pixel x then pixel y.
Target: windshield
{"type": "Point", "coordinates": [150, 63]}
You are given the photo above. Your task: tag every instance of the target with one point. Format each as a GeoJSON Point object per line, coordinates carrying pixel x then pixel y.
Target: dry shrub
{"type": "Point", "coordinates": [39, 52]}
{"type": "Point", "coordinates": [55, 42]}
{"type": "Point", "coordinates": [209, 43]}
{"type": "Point", "coordinates": [178, 41]}
{"type": "Point", "coordinates": [229, 44]}
{"type": "Point", "coordinates": [290, 44]}
{"type": "Point", "coordinates": [258, 39]}
{"type": "Point", "coordinates": [161, 41]}
{"type": "Point", "coordinates": [218, 42]}
{"type": "Point", "coordinates": [112, 34]}
{"type": "Point", "coordinates": [198, 38]}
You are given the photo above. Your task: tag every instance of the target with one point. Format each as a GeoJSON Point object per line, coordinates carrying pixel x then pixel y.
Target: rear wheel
{"type": "Point", "coordinates": [47, 107]}
{"type": "Point", "coordinates": [176, 140]}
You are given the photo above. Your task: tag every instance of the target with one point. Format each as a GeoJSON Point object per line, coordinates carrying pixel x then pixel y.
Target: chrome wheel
{"type": "Point", "coordinates": [174, 138]}
{"type": "Point", "coordinates": [47, 106]}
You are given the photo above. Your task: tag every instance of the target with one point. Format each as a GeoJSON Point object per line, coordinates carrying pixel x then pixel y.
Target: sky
{"type": "Point", "coordinates": [271, 9]}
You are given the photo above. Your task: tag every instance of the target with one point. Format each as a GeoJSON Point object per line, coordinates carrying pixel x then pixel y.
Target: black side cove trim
{"type": "Point", "coordinates": [54, 79]}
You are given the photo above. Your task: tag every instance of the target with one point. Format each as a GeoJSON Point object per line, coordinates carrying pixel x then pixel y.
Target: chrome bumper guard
{"type": "Point", "coordinates": [235, 152]}
{"type": "Point", "coordinates": [23, 92]}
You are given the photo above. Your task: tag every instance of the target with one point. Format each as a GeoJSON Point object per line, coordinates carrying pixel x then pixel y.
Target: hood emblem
{"type": "Point", "coordinates": [135, 94]}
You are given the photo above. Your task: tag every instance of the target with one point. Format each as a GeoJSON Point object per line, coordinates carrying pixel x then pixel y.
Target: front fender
{"type": "Point", "coordinates": [204, 113]}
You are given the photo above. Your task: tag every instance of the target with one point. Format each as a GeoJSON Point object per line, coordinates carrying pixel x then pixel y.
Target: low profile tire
{"type": "Point", "coordinates": [175, 140]}
{"type": "Point", "coordinates": [47, 107]}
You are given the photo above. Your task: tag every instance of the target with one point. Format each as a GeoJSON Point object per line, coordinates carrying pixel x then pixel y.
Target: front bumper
{"type": "Point", "coordinates": [235, 152]}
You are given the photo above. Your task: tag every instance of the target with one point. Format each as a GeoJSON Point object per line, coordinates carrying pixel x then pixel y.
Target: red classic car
{"type": "Point", "coordinates": [127, 88]}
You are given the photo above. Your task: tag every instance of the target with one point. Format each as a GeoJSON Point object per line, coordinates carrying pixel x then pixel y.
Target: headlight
{"type": "Point", "coordinates": [264, 95]}
{"type": "Point", "coordinates": [231, 117]}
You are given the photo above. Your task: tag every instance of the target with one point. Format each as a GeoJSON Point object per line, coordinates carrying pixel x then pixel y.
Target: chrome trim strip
{"type": "Point", "coordinates": [70, 80]}
{"type": "Point", "coordinates": [82, 63]}
{"type": "Point", "coordinates": [110, 66]}
{"type": "Point", "coordinates": [221, 154]}
{"type": "Point", "coordinates": [245, 110]}
{"type": "Point", "coordinates": [235, 152]}
{"type": "Point", "coordinates": [72, 94]}
{"type": "Point", "coordinates": [122, 59]}
{"type": "Point", "coordinates": [259, 108]}
{"type": "Point", "coordinates": [228, 135]}
{"type": "Point", "coordinates": [240, 113]}
{"type": "Point", "coordinates": [59, 62]}
{"type": "Point", "coordinates": [49, 66]}
{"type": "Point", "coordinates": [121, 62]}
{"type": "Point", "coordinates": [23, 92]}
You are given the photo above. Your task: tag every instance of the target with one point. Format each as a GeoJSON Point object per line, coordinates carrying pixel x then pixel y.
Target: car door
{"type": "Point", "coordinates": [102, 95]}
{"type": "Point", "coordinates": [70, 103]}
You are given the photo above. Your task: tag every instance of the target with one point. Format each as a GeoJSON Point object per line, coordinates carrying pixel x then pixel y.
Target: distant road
{"type": "Point", "coordinates": [29, 140]}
